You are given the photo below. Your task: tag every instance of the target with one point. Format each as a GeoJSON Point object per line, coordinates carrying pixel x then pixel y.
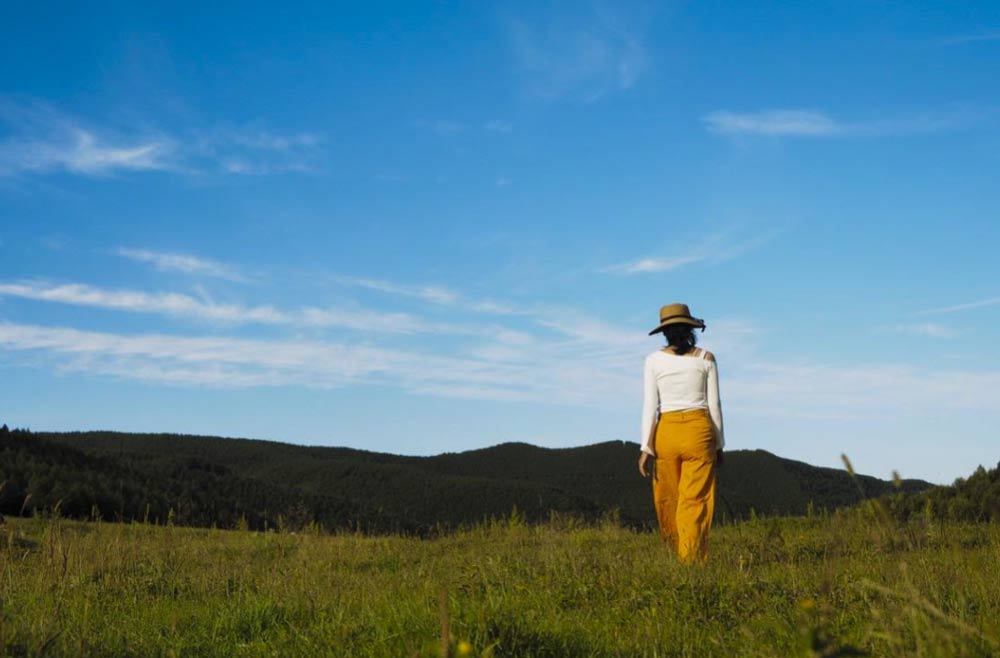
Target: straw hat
{"type": "Point", "coordinates": [677, 314]}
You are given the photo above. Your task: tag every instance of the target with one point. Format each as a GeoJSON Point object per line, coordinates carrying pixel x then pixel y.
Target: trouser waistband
{"type": "Point", "coordinates": [683, 414]}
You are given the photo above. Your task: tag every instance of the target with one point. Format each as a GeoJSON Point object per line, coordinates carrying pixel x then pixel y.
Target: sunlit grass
{"type": "Point", "coordinates": [822, 586]}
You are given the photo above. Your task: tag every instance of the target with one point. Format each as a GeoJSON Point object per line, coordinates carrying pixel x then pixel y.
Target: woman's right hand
{"type": "Point", "coordinates": [643, 458]}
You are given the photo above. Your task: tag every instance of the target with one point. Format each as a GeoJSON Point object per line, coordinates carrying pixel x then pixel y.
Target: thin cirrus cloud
{"type": "Point", "coordinates": [575, 360]}
{"type": "Point", "coordinates": [439, 295]}
{"type": "Point", "coordinates": [565, 334]}
{"type": "Point", "coordinates": [43, 140]}
{"type": "Point", "coordinates": [601, 376]}
{"type": "Point", "coordinates": [648, 264]}
{"type": "Point", "coordinates": [252, 152]}
{"type": "Point", "coordinates": [180, 305]}
{"type": "Point", "coordinates": [811, 123]}
{"type": "Point", "coordinates": [715, 249]}
{"type": "Point", "coordinates": [447, 127]}
{"type": "Point", "coordinates": [185, 263]}
{"type": "Point", "coordinates": [240, 362]}
{"type": "Point", "coordinates": [77, 150]}
{"type": "Point", "coordinates": [189, 359]}
{"type": "Point", "coordinates": [862, 392]}
{"type": "Point", "coordinates": [922, 329]}
{"type": "Point", "coordinates": [978, 37]}
{"type": "Point", "coordinates": [433, 294]}
{"type": "Point", "coordinates": [452, 127]}
{"type": "Point", "coordinates": [499, 126]}
{"type": "Point", "coordinates": [494, 362]}
{"type": "Point", "coordinates": [583, 56]}
{"type": "Point", "coordinates": [981, 303]}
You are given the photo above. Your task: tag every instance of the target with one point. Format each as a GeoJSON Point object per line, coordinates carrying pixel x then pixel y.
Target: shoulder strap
{"type": "Point", "coordinates": [704, 353]}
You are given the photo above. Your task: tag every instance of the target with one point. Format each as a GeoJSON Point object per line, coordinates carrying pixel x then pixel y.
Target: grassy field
{"type": "Point", "coordinates": [840, 585]}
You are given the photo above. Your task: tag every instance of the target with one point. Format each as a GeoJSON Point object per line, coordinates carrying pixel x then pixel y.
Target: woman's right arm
{"type": "Point", "coordinates": [714, 404]}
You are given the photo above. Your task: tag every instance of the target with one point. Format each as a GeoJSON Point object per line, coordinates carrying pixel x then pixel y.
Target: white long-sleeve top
{"type": "Point", "coordinates": [675, 383]}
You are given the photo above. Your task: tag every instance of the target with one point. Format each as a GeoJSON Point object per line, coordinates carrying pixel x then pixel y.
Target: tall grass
{"type": "Point", "coordinates": [839, 584]}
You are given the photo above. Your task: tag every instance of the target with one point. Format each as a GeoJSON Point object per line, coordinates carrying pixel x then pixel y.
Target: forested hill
{"type": "Point", "coordinates": [202, 480]}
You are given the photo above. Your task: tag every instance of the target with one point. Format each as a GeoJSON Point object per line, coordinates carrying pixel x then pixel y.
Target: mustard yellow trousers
{"type": "Point", "coordinates": [684, 482]}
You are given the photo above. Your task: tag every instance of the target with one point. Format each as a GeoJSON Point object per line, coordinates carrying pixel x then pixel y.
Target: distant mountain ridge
{"type": "Point", "coordinates": [202, 480]}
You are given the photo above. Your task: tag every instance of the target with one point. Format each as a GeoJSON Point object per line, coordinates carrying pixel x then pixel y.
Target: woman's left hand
{"type": "Point", "coordinates": [643, 458]}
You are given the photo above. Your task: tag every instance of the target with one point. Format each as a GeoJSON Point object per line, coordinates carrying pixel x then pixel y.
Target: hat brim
{"type": "Point", "coordinates": [694, 322]}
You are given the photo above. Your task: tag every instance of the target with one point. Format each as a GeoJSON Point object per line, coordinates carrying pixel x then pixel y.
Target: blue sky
{"type": "Point", "coordinates": [428, 227]}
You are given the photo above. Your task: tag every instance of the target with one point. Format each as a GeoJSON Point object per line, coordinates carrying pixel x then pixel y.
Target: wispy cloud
{"type": "Point", "coordinates": [982, 303]}
{"type": "Point", "coordinates": [186, 263]}
{"type": "Point", "coordinates": [172, 304]}
{"type": "Point", "coordinates": [811, 123]}
{"type": "Point", "coordinates": [390, 177]}
{"type": "Point", "coordinates": [265, 141]}
{"type": "Point", "coordinates": [583, 56]}
{"type": "Point", "coordinates": [193, 360]}
{"type": "Point", "coordinates": [251, 152]}
{"type": "Point", "coordinates": [922, 329]}
{"type": "Point", "coordinates": [569, 358]}
{"type": "Point", "coordinates": [447, 127]}
{"type": "Point", "coordinates": [844, 392]}
{"type": "Point", "coordinates": [773, 122]}
{"type": "Point", "coordinates": [548, 330]}
{"type": "Point", "coordinates": [499, 126]}
{"type": "Point", "coordinates": [237, 362]}
{"type": "Point", "coordinates": [434, 294]}
{"type": "Point", "coordinates": [717, 248]}
{"type": "Point", "coordinates": [558, 356]}
{"type": "Point", "coordinates": [41, 139]}
{"type": "Point", "coordinates": [593, 364]}
{"type": "Point", "coordinates": [185, 306]}
{"type": "Point", "coordinates": [440, 295]}
{"type": "Point", "coordinates": [978, 37]}
{"type": "Point", "coordinates": [647, 265]}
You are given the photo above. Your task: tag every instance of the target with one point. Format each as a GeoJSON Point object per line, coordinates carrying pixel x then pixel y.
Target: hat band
{"type": "Point", "coordinates": [671, 317]}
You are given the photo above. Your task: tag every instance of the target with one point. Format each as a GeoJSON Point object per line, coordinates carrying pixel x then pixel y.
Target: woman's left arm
{"type": "Point", "coordinates": [650, 411]}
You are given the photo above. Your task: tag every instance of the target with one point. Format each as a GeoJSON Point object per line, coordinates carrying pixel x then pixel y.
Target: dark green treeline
{"type": "Point", "coordinates": [205, 481]}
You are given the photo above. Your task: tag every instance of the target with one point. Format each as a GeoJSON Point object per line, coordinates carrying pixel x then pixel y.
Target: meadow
{"type": "Point", "coordinates": [844, 584]}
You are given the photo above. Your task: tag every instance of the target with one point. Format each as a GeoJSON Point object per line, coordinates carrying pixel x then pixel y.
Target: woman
{"type": "Point", "coordinates": [682, 430]}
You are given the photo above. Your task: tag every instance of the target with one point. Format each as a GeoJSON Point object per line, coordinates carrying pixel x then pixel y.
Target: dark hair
{"type": "Point", "coordinates": [681, 337]}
